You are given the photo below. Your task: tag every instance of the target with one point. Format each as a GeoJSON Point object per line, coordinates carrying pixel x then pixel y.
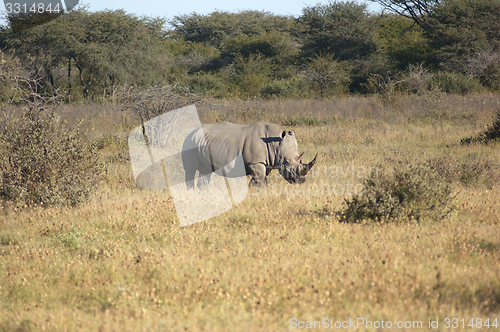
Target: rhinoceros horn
{"type": "Point", "coordinates": [299, 157]}
{"type": "Point", "coordinates": [311, 164]}
{"type": "Point", "coordinates": [307, 167]}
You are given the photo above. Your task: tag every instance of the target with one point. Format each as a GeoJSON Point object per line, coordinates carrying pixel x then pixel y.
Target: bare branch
{"type": "Point", "coordinates": [417, 10]}
{"type": "Point", "coordinates": [153, 101]}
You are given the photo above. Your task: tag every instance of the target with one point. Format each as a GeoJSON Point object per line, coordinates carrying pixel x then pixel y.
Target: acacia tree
{"type": "Point", "coordinates": [118, 48]}
{"type": "Point", "coordinates": [464, 35]}
{"type": "Point", "coordinates": [462, 29]}
{"type": "Point", "coordinates": [343, 29]}
{"type": "Point", "coordinates": [402, 41]}
{"type": "Point", "coordinates": [217, 27]}
{"type": "Point", "coordinates": [107, 48]}
{"type": "Point", "coordinates": [23, 21]}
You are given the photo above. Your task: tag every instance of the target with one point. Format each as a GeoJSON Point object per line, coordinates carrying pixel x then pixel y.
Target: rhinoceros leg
{"type": "Point", "coordinates": [258, 173]}
{"type": "Point", "coordinates": [204, 178]}
{"type": "Point", "coordinates": [190, 164]}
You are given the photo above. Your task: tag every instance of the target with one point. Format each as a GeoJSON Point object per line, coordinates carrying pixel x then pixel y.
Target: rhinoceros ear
{"type": "Point", "coordinates": [283, 134]}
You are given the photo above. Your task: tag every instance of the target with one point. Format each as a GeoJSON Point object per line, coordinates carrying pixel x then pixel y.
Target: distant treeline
{"type": "Point", "coordinates": [334, 48]}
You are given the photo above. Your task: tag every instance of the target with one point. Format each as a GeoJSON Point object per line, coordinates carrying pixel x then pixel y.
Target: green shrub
{"type": "Point", "coordinates": [269, 45]}
{"type": "Point", "coordinates": [248, 75]}
{"type": "Point", "coordinates": [456, 83]}
{"type": "Point", "coordinates": [274, 89]}
{"type": "Point", "coordinates": [413, 191]}
{"type": "Point", "coordinates": [293, 87]}
{"type": "Point", "coordinates": [208, 85]}
{"type": "Point", "coordinates": [327, 75]}
{"type": "Point", "coordinates": [43, 160]}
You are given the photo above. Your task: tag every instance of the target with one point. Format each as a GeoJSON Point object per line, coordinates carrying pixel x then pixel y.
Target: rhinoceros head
{"type": "Point", "coordinates": [290, 162]}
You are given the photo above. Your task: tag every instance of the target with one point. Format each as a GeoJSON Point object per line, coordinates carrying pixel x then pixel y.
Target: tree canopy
{"type": "Point", "coordinates": [106, 48]}
{"type": "Point", "coordinates": [333, 48]}
{"type": "Point", "coordinates": [343, 29]}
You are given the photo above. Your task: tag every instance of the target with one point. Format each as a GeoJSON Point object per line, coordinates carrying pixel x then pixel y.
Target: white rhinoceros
{"type": "Point", "coordinates": [264, 147]}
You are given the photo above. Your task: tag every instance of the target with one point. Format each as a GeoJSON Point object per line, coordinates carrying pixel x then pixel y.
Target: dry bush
{"type": "Point", "coordinates": [474, 171]}
{"type": "Point", "coordinates": [300, 121]}
{"type": "Point", "coordinates": [418, 79]}
{"type": "Point", "coordinates": [484, 65]}
{"type": "Point", "coordinates": [470, 170]}
{"type": "Point", "coordinates": [414, 191]}
{"type": "Point", "coordinates": [387, 86]}
{"type": "Point", "coordinates": [29, 88]}
{"type": "Point", "coordinates": [45, 161]}
{"type": "Point", "coordinates": [151, 102]}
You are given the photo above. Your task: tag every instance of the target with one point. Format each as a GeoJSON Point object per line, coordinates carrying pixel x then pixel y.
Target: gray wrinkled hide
{"type": "Point", "coordinates": [264, 146]}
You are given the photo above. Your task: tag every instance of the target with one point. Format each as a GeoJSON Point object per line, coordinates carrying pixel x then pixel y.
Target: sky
{"type": "Point", "coordinates": [169, 9]}
{"type": "Point", "coordinates": [172, 8]}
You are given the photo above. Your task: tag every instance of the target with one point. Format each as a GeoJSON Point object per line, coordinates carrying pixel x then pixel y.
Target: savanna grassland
{"type": "Point", "coordinates": [121, 262]}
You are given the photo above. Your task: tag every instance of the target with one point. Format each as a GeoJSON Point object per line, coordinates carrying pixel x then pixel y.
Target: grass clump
{"type": "Point", "coordinates": [489, 135]}
{"type": "Point", "coordinates": [293, 121]}
{"type": "Point", "coordinates": [71, 238]}
{"type": "Point", "coordinates": [45, 161]}
{"type": "Point", "coordinates": [413, 191]}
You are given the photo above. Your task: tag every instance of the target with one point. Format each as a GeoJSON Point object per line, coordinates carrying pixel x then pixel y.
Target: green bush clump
{"type": "Point", "coordinates": [491, 134]}
{"type": "Point", "coordinates": [456, 83]}
{"type": "Point", "coordinates": [412, 192]}
{"type": "Point", "coordinates": [293, 87]}
{"type": "Point", "coordinates": [208, 85]}
{"type": "Point", "coordinates": [43, 160]}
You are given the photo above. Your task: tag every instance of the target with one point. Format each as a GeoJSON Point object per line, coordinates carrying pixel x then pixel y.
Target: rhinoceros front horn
{"type": "Point", "coordinates": [311, 164]}
{"type": "Point", "coordinates": [307, 167]}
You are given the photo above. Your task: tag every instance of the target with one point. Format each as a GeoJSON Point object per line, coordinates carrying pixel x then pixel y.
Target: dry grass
{"type": "Point", "coordinates": [122, 262]}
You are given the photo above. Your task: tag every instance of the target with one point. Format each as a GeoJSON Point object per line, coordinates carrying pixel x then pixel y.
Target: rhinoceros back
{"type": "Point", "coordinates": [218, 144]}
{"type": "Point", "coordinates": [224, 138]}
{"type": "Point", "coordinates": [213, 149]}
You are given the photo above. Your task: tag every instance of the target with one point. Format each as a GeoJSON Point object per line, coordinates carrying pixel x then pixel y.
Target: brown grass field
{"type": "Point", "coordinates": [121, 262]}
